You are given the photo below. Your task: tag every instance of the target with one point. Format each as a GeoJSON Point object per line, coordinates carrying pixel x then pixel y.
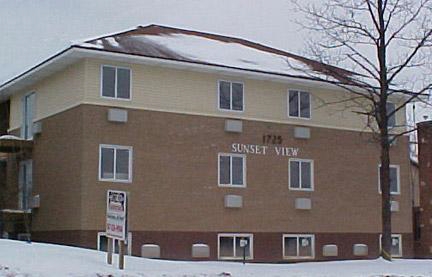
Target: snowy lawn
{"type": "Point", "coordinates": [20, 259]}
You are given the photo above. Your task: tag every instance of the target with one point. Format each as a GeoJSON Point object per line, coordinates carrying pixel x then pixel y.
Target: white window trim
{"type": "Point", "coordinates": [218, 96]}
{"type": "Point", "coordinates": [312, 188]}
{"type": "Point", "coordinates": [297, 236]}
{"type": "Point", "coordinates": [399, 236]}
{"type": "Point", "coordinates": [230, 185]}
{"type": "Point", "coordinates": [115, 83]}
{"type": "Point", "coordinates": [299, 105]}
{"type": "Point", "coordinates": [234, 236]}
{"type": "Point", "coordinates": [129, 242]}
{"type": "Point", "coordinates": [398, 179]}
{"type": "Point", "coordinates": [115, 147]}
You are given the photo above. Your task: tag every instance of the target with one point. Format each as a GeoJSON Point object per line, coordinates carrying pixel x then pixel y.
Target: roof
{"type": "Point", "coordinates": [211, 49]}
{"type": "Point", "coordinates": [180, 48]}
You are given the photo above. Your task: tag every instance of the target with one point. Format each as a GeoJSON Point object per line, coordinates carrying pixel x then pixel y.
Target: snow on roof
{"type": "Point", "coordinates": [10, 137]}
{"type": "Point", "coordinates": [198, 47]}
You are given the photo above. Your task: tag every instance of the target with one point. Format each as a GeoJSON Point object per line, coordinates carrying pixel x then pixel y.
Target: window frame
{"type": "Point", "coordinates": [130, 164]}
{"type": "Point", "coordinates": [312, 188]}
{"type": "Point", "coordinates": [399, 236]}
{"type": "Point", "coordinates": [297, 236]}
{"type": "Point", "coordinates": [234, 236]}
{"type": "Point", "coordinates": [230, 185]}
{"type": "Point", "coordinates": [398, 179]}
{"type": "Point", "coordinates": [115, 82]}
{"type": "Point", "coordinates": [218, 96]}
{"type": "Point", "coordinates": [299, 104]}
{"type": "Point", "coordinates": [26, 131]}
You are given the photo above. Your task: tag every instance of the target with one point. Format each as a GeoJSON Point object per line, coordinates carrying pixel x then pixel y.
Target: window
{"type": "Point", "coordinates": [299, 104]}
{"type": "Point", "coordinates": [392, 118]}
{"type": "Point", "coordinates": [115, 163]}
{"type": "Point", "coordinates": [25, 184]}
{"type": "Point", "coordinates": [298, 246]}
{"type": "Point", "coordinates": [396, 245]}
{"type": "Point", "coordinates": [229, 246]}
{"type": "Point", "coordinates": [28, 103]}
{"type": "Point", "coordinates": [300, 174]}
{"type": "Point", "coordinates": [116, 82]}
{"type": "Point", "coordinates": [230, 96]}
{"type": "Point", "coordinates": [394, 179]}
{"type": "Point", "coordinates": [232, 170]}
{"type": "Point", "coordinates": [102, 243]}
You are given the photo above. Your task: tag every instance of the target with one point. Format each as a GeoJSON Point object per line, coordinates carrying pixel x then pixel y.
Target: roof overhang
{"type": "Point", "coordinates": [73, 54]}
{"type": "Point", "coordinates": [53, 64]}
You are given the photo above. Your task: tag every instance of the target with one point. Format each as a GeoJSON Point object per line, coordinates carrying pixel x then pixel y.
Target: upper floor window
{"type": "Point", "coordinates": [391, 107]}
{"type": "Point", "coordinates": [230, 96]}
{"type": "Point", "coordinates": [394, 179]}
{"type": "Point", "coordinates": [115, 163]}
{"type": "Point", "coordinates": [299, 104]}
{"type": "Point", "coordinates": [28, 105]}
{"type": "Point", "coordinates": [232, 168]}
{"type": "Point", "coordinates": [300, 174]}
{"type": "Point", "coordinates": [116, 82]}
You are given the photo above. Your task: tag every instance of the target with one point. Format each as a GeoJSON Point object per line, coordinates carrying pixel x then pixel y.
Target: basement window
{"type": "Point", "coordinates": [115, 163]}
{"type": "Point", "coordinates": [116, 82]}
{"type": "Point", "coordinates": [229, 246]}
{"type": "Point", "coordinates": [298, 246]}
{"type": "Point", "coordinates": [230, 96]}
{"type": "Point", "coordinates": [396, 245]}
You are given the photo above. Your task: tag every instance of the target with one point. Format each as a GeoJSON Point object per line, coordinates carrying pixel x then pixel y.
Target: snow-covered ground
{"type": "Point", "coordinates": [21, 259]}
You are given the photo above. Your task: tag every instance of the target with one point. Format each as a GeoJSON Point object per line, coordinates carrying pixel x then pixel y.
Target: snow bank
{"type": "Point", "coordinates": [19, 259]}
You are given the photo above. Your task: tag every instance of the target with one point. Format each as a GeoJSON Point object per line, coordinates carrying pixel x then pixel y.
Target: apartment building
{"type": "Point", "coordinates": [216, 139]}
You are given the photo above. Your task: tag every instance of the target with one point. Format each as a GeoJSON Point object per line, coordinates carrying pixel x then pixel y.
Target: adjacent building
{"type": "Point", "coordinates": [216, 139]}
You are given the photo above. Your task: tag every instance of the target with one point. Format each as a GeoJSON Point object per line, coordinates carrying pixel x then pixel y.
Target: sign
{"type": "Point", "coordinates": [116, 215]}
{"type": "Point", "coordinates": [264, 149]}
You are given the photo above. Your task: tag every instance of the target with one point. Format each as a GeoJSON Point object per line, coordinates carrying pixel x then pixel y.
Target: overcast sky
{"type": "Point", "coordinates": [33, 30]}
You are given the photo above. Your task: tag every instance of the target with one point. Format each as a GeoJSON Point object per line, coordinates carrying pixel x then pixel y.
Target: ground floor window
{"type": "Point", "coordinates": [396, 245]}
{"type": "Point", "coordinates": [231, 246]}
{"type": "Point", "coordinates": [25, 184]}
{"type": "Point", "coordinates": [102, 243]}
{"type": "Point", "coordinates": [298, 246]}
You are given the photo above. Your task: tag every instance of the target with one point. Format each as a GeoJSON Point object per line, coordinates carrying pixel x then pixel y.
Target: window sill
{"type": "Point", "coordinates": [232, 186]}
{"type": "Point", "coordinates": [300, 189]}
{"type": "Point", "coordinates": [115, 181]}
{"type": "Point", "coordinates": [116, 98]}
{"type": "Point", "coordinates": [298, 258]}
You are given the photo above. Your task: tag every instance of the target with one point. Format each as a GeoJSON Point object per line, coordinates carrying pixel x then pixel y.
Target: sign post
{"type": "Point", "coordinates": [243, 244]}
{"type": "Point", "coordinates": [116, 223]}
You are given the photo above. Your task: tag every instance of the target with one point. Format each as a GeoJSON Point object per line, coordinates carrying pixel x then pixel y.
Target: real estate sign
{"type": "Point", "coordinates": [116, 215]}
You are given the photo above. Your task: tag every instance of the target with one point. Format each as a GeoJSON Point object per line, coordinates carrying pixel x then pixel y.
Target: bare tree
{"type": "Point", "coordinates": [388, 44]}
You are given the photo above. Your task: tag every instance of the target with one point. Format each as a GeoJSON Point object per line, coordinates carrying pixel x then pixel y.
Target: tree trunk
{"type": "Point", "coordinates": [385, 197]}
{"type": "Point", "coordinates": [384, 137]}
